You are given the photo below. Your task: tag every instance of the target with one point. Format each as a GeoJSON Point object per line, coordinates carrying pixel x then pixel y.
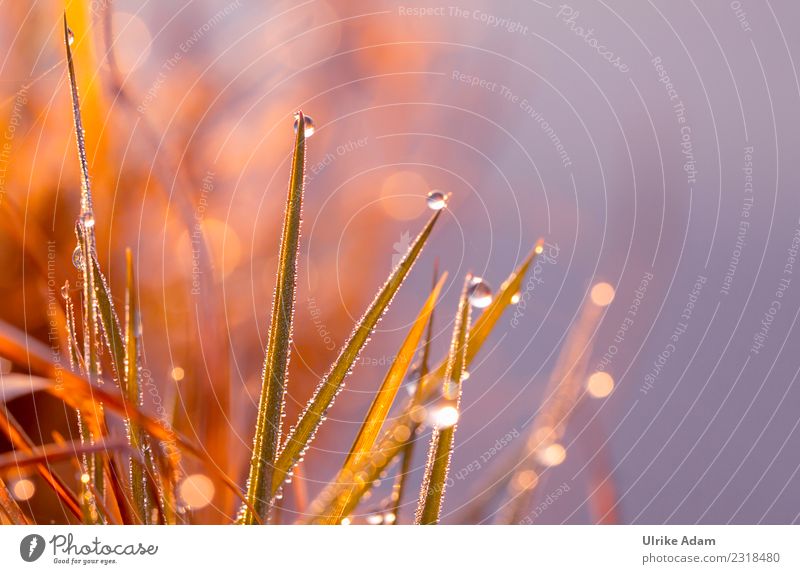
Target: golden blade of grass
{"type": "Point", "coordinates": [132, 391]}
{"type": "Point", "coordinates": [390, 446]}
{"type": "Point", "coordinates": [408, 449]}
{"type": "Point", "coordinates": [273, 385]}
{"type": "Point", "coordinates": [379, 409]}
{"type": "Point", "coordinates": [312, 416]}
{"type": "Point", "coordinates": [431, 494]}
{"type": "Point", "coordinates": [10, 507]}
{"type": "Point", "coordinates": [376, 415]}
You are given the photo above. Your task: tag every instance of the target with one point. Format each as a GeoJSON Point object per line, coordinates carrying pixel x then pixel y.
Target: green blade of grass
{"type": "Point", "coordinates": [132, 392]}
{"type": "Point", "coordinates": [95, 463]}
{"type": "Point", "coordinates": [303, 432]}
{"type": "Point", "coordinates": [75, 359]}
{"type": "Point", "coordinates": [276, 362]}
{"type": "Point", "coordinates": [440, 452]}
{"type": "Point", "coordinates": [379, 409]}
{"type": "Point", "coordinates": [408, 423]}
{"type": "Point", "coordinates": [109, 320]}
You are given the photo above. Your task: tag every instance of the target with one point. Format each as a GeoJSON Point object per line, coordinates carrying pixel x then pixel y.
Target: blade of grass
{"type": "Point", "coordinates": [55, 452]}
{"type": "Point", "coordinates": [379, 409]}
{"type": "Point", "coordinates": [440, 452]}
{"type": "Point", "coordinates": [109, 320]}
{"type": "Point", "coordinates": [390, 446]}
{"type": "Point", "coordinates": [132, 391]}
{"type": "Point", "coordinates": [303, 432]}
{"type": "Point", "coordinates": [94, 463]}
{"type": "Point", "coordinates": [22, 443]}
{"type": "Point", "coordinates": [273, 384]}
{"type": "Point", "coordinates": [80, 395]}
{"type": "Point", "coordinates": [376, 415]}
{"type": "Point", "coordinates": [75, 359]}
{"type": "Point", "coordinates": [10, 507]}
{"type": "Point", "coordinates": [408, 449]}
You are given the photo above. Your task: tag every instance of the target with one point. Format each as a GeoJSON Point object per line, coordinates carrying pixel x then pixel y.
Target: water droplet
{"type": "Point", "coordinates": [77, 257]}
{"type": "Point", "coordinates": [411, 389]}
{"type": "Point", "coordinates": [464, 376]}
{"type": "Point", "coordinates": [309, 125]}
{"type": "Point", "coordinates": [65, 290]}
{"type": "Point", "coordinates": [479, 292]}
{"type": "Point", "coordinates": [446, 416]}
{"type": "Point", "coordinates": [516, 297]}
{"type": "Point", "coordinates": [436, 200]}
{"type": "Point", "coordinates": [88, 220]}
{"type": "Point", "coordinates": [70, 36]}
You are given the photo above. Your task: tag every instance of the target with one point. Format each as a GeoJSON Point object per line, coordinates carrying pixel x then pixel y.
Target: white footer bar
{"type": "Point", "coordinates": [389, 549]}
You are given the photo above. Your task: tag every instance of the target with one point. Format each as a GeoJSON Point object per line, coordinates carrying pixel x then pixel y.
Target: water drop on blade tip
{"type": "Point", "coordinates": [479, 293]}
{"type": "Point", "coordinates": [308, 123]}
{"type": "Point", "coordinates": [436, 200]}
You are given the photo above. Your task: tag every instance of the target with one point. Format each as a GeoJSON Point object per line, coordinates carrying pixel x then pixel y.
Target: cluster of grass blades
{"type": "Point", "coordinates": [135, 480]}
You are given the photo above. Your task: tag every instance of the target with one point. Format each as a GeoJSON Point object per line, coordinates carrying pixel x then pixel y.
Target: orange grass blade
{"type": "Point", "coordinates": [10, 507]}
{"type": "Point", "coordinates": [79, 394]}
{"type": "Point", "coordinates": [22, 443]}
{"type": "Point", "coordinates": [56, 452]}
